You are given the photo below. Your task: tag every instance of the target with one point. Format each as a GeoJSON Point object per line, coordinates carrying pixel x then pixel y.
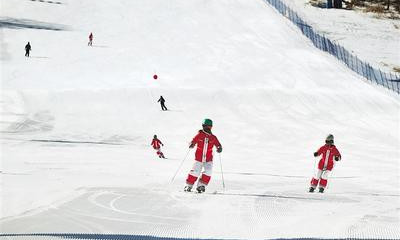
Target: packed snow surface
{"type": "Point", "coordinates": [77, 122]}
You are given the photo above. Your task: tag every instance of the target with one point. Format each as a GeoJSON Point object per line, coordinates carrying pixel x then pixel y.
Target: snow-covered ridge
{"type": "Point", "coordinates": [374, 40]}
{"type": "Point", "coordinates": [388, 80]}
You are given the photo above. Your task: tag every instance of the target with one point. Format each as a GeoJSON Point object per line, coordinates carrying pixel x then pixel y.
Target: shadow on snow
{"type": "Point", "coordinates": [14, 23]}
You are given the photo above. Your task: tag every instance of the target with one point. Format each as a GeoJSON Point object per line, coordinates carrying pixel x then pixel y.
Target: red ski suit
{"type": "Point", "coordinates": [325, 165]}
{"type": "Point", "coordinates": [205, 143]}
{"type": "Point", "coordinates": [156, 143]}
{"type": "Point", "coordinates": [203, 158]}
{"type": "Point", "coordinates": [328, 153]}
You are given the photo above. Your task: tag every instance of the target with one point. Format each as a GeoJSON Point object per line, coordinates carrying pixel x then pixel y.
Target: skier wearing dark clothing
{"type": "Point", "coordinates": [28, 48]}
{"type": "Point", "coordinates": [162, 101]}
{"type": "Point", "coordinates": [90, 43]}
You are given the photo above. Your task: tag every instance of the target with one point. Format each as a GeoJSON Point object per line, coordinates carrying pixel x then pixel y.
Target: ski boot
{"type": "Point", "coordinates": [311, 189]}
{"type": "Point", "coordinates": [201, 189]}
{"type": "Point", "coordinates": [188, 188]}
{"type": "Point", "coordinates": [321, 189]}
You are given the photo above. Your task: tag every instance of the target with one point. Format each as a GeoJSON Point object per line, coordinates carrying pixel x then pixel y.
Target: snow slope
{"type": "Point", "coordinates": [77, 122]}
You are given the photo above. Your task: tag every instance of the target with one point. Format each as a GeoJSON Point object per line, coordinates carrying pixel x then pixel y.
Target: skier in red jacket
{"type": "Point", "coordinates": [156, 143]}
{"type": "Point", "coordinates": [329, 153]}
{"type": "Point", "coordinates": [205, 142]}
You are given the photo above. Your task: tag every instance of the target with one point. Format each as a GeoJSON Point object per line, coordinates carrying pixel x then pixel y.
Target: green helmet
{"type": "Point", "coordinates": [329, 139]}
{"type": "Point", "coordinates": [207, 122]}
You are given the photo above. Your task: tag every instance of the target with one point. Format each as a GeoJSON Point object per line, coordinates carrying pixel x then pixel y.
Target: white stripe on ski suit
{"type": "Point", "coordinates": [326, 159]}
{"type": "Point", "coordinates": [322, 174]}
{"type": "Point", "coordinates": [205, 147]}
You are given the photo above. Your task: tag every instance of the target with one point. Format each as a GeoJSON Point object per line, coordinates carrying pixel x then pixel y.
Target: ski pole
{"type": "Point", "coordinates": [172, 180]}
{"type": "Point", "coordinates": [222, 172]}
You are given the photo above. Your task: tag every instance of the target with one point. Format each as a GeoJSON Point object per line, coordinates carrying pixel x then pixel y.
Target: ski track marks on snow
{"type": "Point", "coordinates": [105, 210]}
{"type": "Point", "coordinates": [16, 118]}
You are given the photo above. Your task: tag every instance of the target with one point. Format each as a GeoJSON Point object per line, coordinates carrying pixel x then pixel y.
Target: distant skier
{"type": "Point", "coordinates": [162, 102]}
{"type": "Point", "coordinates": [28, 48]}
{"type": "Point", "coordinates": [90, 39]}
{"type": "Point", "coordinates": [329, 153]}
{"type": "Point", "coordinates": [156, 143]}
{"type": "Point", "coordinates": [205, 141]}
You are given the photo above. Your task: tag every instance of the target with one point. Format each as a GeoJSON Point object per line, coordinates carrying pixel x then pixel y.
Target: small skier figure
{"type": "Point", "coordinates": [205, 141]}
{"type": "Point", "coordinates": [28, 48]}
{"type": "Point", "coordinates": [162, 101]}
{"type": "Point", "coordinates": [90, 39]}
{"type": "Point", "coordinates": [156, 143]}
{"type": "Point", "coordinates": [329, 153]}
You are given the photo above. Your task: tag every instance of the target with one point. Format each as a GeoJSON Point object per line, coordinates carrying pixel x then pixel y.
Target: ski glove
{"type": "Point", "coordinates": [191, 145]}
{"type": "Point", "coordinates": [337, 158]}
{"type": "Point", "coordinates": [219, 149]}
{"type": "Point", "coordinates": [316, 154]}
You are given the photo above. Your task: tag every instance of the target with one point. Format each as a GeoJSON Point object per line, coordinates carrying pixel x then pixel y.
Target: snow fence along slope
{"type": "Point", "coordinates": [388, 80]}
{"type": "Point", "coordinates": [77, 124]}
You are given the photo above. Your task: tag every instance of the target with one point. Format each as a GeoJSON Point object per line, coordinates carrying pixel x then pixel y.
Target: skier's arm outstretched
{"type": "Point", "coordinates": [319, 152]}
{"type": "Point", "coordinates": [194, 141]}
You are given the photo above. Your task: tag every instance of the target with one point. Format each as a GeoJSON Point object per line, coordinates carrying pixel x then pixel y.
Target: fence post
{"type": "Point", "coordinates": [374, 75]}
{"type": "Point", "coordinates": [397, 84]}
{"type": "Point", "coordinates": [360, 67]}
{"type": "Point", "coordinates": [364, 71]}
{"type": "Point", "coordinates": [369, 72]}
{"type": "Point", "coordinates": [340, 52]}
{"type": "Point", "coordinates": [346, 60]}
{"type": "Point", "coordinates": [323, 43]}
{"type": "Point", "coordinates": [392, 78]}
{"type": "Point", "coordinates": [382, 79]}
{"type": "Point", "coordinates": [351, 61]}
{"type": "Point", "coordinates": [359, 64]}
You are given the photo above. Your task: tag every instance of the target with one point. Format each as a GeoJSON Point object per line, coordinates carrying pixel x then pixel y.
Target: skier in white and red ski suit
{"type": "Point", "coordinates": [205, 142]}
{"type": "Point", "coordinates": [329, 153]}
{"type": "Point", "coordinates": [156, 143]}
